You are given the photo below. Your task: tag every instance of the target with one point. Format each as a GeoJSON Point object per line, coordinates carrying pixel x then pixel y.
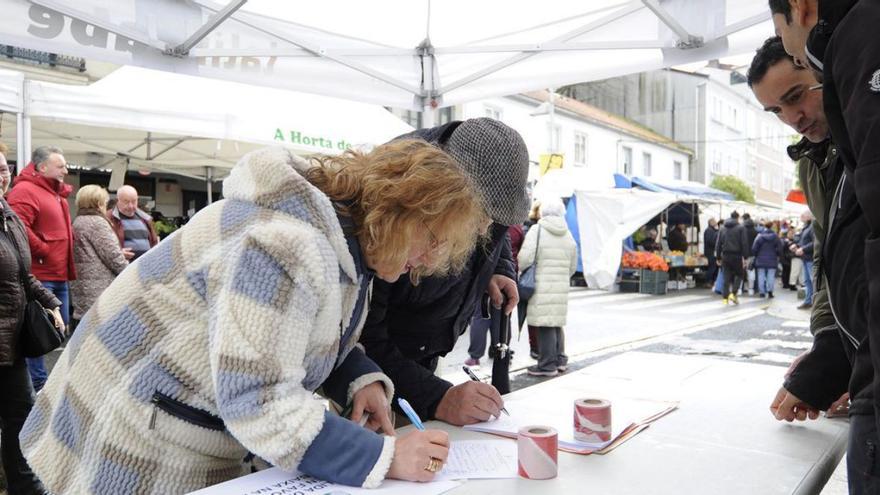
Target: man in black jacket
{"type": "Point", "coordinates": [710, 238]}
{"type": "Point", "coordinates": [731, 251]}
{"type": "Point", "coordinates": [409, 327]}
{"type": "Point", "coordinates": [838, 40]}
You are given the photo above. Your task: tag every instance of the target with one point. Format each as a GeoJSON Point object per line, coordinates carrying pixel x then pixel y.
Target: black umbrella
{"type": "Point", "coordinates": [501, 364]}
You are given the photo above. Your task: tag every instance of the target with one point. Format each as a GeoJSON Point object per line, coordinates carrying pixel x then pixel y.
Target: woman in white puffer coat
{"type": "Point", "coordinates": [551, 246]}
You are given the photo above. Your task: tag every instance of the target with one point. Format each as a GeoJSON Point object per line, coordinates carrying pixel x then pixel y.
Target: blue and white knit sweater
{"type": "Point", "coordinates": [210, 346]}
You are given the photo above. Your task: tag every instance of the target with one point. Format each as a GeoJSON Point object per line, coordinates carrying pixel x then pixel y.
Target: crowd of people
{"type": "Point", "coordinates": [745, 257]}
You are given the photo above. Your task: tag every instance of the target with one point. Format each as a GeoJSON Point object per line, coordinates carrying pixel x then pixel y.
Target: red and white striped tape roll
{"type": "Point", "coordinates": [537, 447]}
{"type": "Point", "coordinates": [592, 420]}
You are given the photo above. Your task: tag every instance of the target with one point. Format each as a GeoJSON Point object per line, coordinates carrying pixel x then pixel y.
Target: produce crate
{"type": "Point", "coordinates": [629, 285]}
{"type": "Point", "coordinates": [653, 282]}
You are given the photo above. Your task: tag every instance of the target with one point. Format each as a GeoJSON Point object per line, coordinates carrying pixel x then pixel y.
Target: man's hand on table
{"type": "Point", "coordinates": [468, 403]}
{"type": "Point", "coordinates": [786, 406]}
{"type": "Point", "coordinates": [373, 401]}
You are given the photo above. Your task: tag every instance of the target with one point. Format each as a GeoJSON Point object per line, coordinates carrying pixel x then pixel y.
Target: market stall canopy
{"type": "Point", "coordinates": [11, 84]}
{"type": "Point", "coordinates": [605, 219]}
{"type": "Point", "coordinates": [796, 196]}
{"type": "Point", "coordinates": [401, 53]}
{"type": "Point", "coordinates": [685, 188]}
{"type": "Point", "coordinates": [183, 124]}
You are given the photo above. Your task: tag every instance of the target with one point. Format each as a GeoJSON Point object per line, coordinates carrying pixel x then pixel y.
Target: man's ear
{"type": "Point", "coordinates": [804, 12]}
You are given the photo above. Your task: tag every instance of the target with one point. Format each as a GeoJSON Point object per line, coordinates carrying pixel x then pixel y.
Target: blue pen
{"type": "Point", "coordinates": [410, 413]}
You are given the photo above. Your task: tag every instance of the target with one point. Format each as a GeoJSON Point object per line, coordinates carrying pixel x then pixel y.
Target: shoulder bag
{"type": "Point", "coordinates": [526, 283]}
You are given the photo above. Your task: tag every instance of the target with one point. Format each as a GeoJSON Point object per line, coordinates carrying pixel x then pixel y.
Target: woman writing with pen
{"type": "Point", "coordinates": [212, 343]}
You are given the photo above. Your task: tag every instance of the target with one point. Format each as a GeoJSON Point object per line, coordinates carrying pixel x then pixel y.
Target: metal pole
{"type": "Point", "coordinates": [209, 178]}
{"type": "Point", "coordinates": [552, 115]}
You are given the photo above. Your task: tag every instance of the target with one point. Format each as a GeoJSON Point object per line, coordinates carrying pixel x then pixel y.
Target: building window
{"type": "Point", "coordinates": [676, 170]}
{"type": "Point", "coordinates": [646, 164]}
{"type": "Point", "coordinates": [765, 180]}
{"type": "Point", "coordinates": [717, 109]}
{"type": "Point", "coordinates": [411, 117]}
{"type": "Point", "coordinates": [777, 183]}
{"type": "Point", "coordinates": [627, 164]}
{"type": "Point", "coordinates": [493, 112]}
{"type": "Point", "coordinates": [580, 149]}
{"type": "Point", "coordinates": [716, 162]}
{"type": "Point", "coordinates": [753, 173]}
{"type": "Point", "coordinates": [446, 115]}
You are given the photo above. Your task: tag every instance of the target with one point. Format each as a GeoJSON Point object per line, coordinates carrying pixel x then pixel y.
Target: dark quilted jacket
{"type": "Point", "coordinates": [12, 294]}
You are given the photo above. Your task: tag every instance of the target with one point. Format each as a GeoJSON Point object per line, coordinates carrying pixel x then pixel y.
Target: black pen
{"type": "Point", "coordinates": [477, 379]}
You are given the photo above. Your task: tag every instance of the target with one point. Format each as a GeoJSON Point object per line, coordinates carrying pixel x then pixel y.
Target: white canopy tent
{"type": "Point", "coordinates": [186, 125]}
{"type": "Point", "coordinates": [607, 217]}
{"type": "Point", "coordinates": [403, 53]}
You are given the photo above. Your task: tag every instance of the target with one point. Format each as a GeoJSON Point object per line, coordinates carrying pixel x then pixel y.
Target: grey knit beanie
{"type": "Point", "coordinates": [494, 156]}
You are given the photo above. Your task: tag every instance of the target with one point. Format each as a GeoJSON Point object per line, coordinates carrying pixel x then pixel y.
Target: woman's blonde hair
{"type": "Point", "coordinates": [397, 193]}
{"type": "Point", "coordinates": [92, 197]}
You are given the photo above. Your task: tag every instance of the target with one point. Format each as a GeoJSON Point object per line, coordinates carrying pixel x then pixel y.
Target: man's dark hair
{"type": "Point", "coordinates": [781, 7]}
{"type": "Point", "coordinates": [746, 216]}
{"type": "Point", "coordinates": [734, 215]}
{"type": "Point", "coordinates": [771, 53]}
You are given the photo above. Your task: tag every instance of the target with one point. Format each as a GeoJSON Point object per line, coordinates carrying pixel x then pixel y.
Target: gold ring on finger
{"type": "Point", "coordinates": [434, 465]}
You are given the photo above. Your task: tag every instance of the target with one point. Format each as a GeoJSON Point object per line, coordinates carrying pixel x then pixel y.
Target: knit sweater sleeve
{"type": "Point", "coordinates": [271, 314]}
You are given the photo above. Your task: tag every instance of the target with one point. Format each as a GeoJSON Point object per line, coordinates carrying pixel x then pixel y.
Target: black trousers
{"type": "Point", "coordinates": [862, 456]}
{"type": "Point", "coordinates": [734, 273]}
{"type": "Point", "coordinates": [18, 399]}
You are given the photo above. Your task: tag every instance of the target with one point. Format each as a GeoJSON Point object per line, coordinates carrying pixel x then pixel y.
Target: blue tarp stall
{"type": "Point", "coordinates": [572, 221]}
{"type": "Point", "coordinates": [682, 188]}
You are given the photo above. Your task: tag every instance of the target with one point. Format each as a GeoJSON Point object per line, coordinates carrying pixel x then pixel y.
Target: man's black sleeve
{"type": "Point", "coordinates": [412, 381]}
{"type": "Point", "coordinates": [505, 264]}
{"type": "Point", "coordinates": [823, 375]}
{"type": "Point", "coordinates": [854, 70]}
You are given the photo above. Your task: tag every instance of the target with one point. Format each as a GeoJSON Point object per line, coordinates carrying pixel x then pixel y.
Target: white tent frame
{"type": "Point", "coordinates": [430, 93]}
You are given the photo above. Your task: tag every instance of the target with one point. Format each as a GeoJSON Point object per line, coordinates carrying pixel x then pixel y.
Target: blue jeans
{"type": "Point", "coordinates": [766, 279]}
{"type": "Point", "coordinates": [37, 366]}
{"type": "Point", "coordinates": [808, 281]}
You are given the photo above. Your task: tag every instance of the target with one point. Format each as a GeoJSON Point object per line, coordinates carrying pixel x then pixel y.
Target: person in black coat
{"type": "Point", "coordinates": [409, 327]}
{"type": "Point", "coordinates": [677, 239]}
{"type": "Point", "coordinates": [710, 238]}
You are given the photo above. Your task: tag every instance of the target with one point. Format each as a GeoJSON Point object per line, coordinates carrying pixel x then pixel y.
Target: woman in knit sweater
{"type": "Point", "coordinates": [211, 345]}
{"type": "Point", "coordinates": [96, 250]}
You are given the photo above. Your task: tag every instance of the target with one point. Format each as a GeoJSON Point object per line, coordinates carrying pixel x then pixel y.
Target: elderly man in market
{"type": "Point", "coordinates": [132, 226]}
{"type": "Point", "coordinates": [409, 327]}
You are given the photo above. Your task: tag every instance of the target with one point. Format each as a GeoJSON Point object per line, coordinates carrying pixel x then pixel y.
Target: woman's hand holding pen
{"type": "Point", "coordinates": [371, 400]}
{"type": "Point", "coordinates": [418, 455]}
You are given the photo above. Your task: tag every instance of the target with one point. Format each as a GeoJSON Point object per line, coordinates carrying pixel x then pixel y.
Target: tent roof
{"type": "Point", "coordinates": [401, 53]}
{"type": "Point", "coordinates": [183, 124]}
{"type": "Point", "coordinates": [687, 188]}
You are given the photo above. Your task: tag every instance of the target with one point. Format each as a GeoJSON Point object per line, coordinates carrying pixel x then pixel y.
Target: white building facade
{"type": "Point", "coordinates": [723, 123]}
{"type": "Point", "coordinates": [594, 144]}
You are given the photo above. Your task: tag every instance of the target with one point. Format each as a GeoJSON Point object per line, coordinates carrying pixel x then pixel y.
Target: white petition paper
{"type": "Point", "coordinates": [480, 459]}
{"type": "Point", "coordinates": [277, 481]}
